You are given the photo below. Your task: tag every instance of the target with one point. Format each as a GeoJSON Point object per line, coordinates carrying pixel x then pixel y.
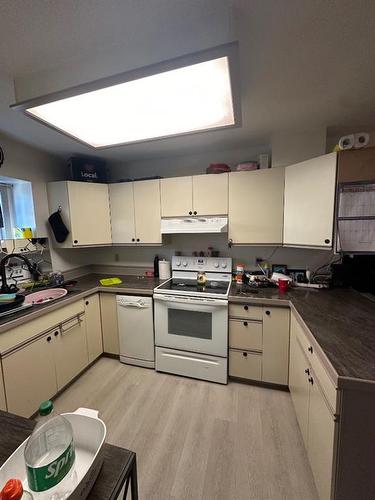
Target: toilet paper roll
{"type": "Point", "coordinates": [361, 140]}
{"type": "Point", "coordinates": [164, 269]}
{"type": "Point", "coordinates": [346, 142]}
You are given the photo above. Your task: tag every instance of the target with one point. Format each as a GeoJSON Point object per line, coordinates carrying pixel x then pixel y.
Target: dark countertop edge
{"type": "Point", "coordinates": [341, 382]}
{"type": "Point", "coordinates": [36, 313]}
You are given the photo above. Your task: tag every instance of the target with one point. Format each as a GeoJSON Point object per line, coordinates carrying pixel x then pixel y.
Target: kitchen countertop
{"type": "Point", "coordinates": [86, 285]}
{"type": "Point", "coordinates": [341, 320]}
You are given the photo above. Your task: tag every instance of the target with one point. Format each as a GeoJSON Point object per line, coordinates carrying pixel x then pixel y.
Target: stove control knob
{"type": "Point", "coordinates": [216, 264]}
{"type": "Point", "coordinates": [223, 265]}
{"type": "Point", "coordinates": [184, 263]}
{"type": "Point", "coordinates": [178, 263]}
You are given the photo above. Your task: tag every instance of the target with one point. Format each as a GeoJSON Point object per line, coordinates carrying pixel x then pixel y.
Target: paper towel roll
{"type": "Point", "coordinates": [164, 269]}
{"type": "Point", "coordinates": [346, 142]}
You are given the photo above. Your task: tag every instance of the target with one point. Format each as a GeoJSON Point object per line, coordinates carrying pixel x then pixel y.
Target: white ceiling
{"type": "Point", "coordinates": [304, 63]}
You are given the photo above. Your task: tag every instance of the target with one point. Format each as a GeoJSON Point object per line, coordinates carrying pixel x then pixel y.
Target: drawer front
{"type": "Point", "coordinates": [245, 364]}
{"type": "Point", "coordinates": [246, 311]}
{"type": "Point", "coordinates": [245, 334]}
{"type": "Point", "coordinates": [325, 382]}
{"type": "Point", "coordinates": [199, 366]}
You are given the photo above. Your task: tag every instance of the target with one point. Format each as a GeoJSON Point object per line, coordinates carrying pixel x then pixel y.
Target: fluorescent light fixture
{"type": "Point", "coordinates": [187, 99]}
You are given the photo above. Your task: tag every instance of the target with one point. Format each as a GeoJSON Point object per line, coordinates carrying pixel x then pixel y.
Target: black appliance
{"type": "Point", "coordinates": [357, 271]}
{"type": "Point", "coordinates": [86, 169]}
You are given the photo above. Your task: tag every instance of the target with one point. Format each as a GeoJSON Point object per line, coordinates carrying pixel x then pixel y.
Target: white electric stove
{"type": "Point", "coordinates": [191, 321]}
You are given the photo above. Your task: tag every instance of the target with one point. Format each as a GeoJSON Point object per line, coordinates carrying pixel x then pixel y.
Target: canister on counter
{"type": "Point", "coordinates": [239, 273]}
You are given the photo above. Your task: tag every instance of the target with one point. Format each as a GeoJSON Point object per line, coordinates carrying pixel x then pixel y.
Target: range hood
{"type": "Point", "coordinates": [189, 225]}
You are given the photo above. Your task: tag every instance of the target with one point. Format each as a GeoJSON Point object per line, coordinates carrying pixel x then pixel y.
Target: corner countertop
{"type": "Point", "coordinates": [341, 320]}
{"type": "Point", "coordinates": [86, 285]}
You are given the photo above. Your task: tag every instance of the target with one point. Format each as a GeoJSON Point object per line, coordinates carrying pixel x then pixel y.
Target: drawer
{"type": "Point", "coordinates": [247, 311]}
{"type": "Point", "coordinates": [199, 366]}
{"type": "Point", "coordinates": [245, 334]}
{"type": "Point", "coordinates": [245, 364]}
{"type": "Point", "coordinates": [327, 385]}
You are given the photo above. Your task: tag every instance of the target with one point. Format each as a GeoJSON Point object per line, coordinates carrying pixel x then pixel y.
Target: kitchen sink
{"type": "Point", "coordinates": [44, 296]}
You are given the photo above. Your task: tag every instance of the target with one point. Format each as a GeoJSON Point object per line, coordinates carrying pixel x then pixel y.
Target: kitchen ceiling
{"type": "Point", "coordinates": [303, 63]}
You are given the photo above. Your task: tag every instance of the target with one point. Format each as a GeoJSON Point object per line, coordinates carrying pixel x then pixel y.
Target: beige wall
{"type": "Point", "coordinates": [290, 147]}
{"type": "Point", "coordinates": [30, 164]}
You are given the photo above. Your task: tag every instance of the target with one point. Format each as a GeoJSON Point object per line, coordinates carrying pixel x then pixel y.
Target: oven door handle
{"type": "Point", "coordinates": [190, 300]}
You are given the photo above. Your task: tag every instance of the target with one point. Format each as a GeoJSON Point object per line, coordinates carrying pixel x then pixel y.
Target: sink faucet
{"type": "Point", "coordinates": [5, 288]}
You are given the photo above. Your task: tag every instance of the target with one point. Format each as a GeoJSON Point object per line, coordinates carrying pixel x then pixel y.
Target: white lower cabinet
{"type": "Point", "coordinates": [70, 350]}
{"type": "Point", "coordinates": [315, 415]}
{"type": "Point", "coordinates": [93, 327]}
{"type": "Point", "coordinates": [35, 366]}
{"type": "Point", "coordinates": [259, 343]}
{"type": "Point", "coordinates": [3, 403]}
{"type": "Point", "coordinates": [29, 375]}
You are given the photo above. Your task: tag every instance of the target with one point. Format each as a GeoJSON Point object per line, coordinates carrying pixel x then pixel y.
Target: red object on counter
{"type": "Point", "coordinates": [12, 490]}
{"type": "Point", "coordinates": [283, 285]}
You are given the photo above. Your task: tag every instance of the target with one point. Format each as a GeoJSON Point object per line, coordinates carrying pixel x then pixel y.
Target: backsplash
{"type": "Point", "coordinates": [186, 244]}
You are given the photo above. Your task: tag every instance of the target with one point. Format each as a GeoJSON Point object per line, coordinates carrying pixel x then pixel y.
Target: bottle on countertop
{"type": "Point", "coordinates": [156, 266]}
{"type": "Point", "coordinates": [49, 455]}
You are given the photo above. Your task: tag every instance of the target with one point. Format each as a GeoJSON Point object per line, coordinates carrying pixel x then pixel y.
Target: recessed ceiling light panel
{"type": "Point", "coordinates": [187, 99]}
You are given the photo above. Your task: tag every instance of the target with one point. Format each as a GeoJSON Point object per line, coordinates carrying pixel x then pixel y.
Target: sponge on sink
{"type": "Point", "coordinates": [110, 281]}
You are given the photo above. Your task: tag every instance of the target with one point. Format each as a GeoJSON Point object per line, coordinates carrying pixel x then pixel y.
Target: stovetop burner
{"type": "Point", "coordinates": [215, 287]}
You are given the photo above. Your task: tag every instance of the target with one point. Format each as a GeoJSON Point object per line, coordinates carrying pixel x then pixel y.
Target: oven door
{"type": "Point", "coordinates": [192, 324]}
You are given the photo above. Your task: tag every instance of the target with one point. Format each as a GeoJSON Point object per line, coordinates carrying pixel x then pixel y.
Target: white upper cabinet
{"type": "Point", "coordinates": [121, 199]}
{"type": "Point", "coordinates": [85, 211]}
{"type": "Point", "coordinates": [147, 211]}
{"type": "Point", "coordinates": [194, 195]}
{"type": "Point", "coordinates": [135, 212]}
{"type": "Point", "coordinates": [256, 207]}
{"type": "Point", "coordinates": [309, 202]}
{"type": "Point", "coordinates": [176, 196]}
{"type": "Point", "coordinates": [210, 194]}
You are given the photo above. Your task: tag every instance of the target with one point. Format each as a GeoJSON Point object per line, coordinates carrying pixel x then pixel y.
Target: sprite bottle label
{"type": "Point", "coordinates": [46, 477]}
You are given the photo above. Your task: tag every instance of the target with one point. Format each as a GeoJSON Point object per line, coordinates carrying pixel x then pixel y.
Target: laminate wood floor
{"type": "Point", "coordinates": [198, 440]}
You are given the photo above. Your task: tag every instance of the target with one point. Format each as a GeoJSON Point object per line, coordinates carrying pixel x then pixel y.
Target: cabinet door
{"type": "Point", "coordinates": [309, 202]}
{"type": "Point", "coordinates": [93, 327]}
{"type": "Point", "coordinates": [147, 211]}
{"type": "Point", "coordinates": [210, 194]}
{"type": "Point", "coordinates": [29, 376]}
{"type": "Point", "coordinates": [176, 196]}
{"type": "Point", "coordinates": [121, 199]}
{"type": "Point", "coordinates": [108, 309]}
{"type": "Point", "coordinates": [70, 350]}
{"type": "Point", "coordinates": [3, 405]}
{"type": "Point", "coordinates": [256, 206]}
{"type": "Point", "coordinates": [320, 440]}
{"type": "Point", "coordinates": [275, 345]}
{"type": "Point", "coordinates": [298, 384]}
{"type": "Point", "coordinates": [89, 213]}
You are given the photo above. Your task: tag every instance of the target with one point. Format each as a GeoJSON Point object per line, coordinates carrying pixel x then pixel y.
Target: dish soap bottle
{"type": "Point", "coordinates": [49, 455]}
{"type": "Point", "coordinates": [13, 490]}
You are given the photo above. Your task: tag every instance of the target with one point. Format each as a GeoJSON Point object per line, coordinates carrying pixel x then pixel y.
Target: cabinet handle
{"type": "Point", "coordinates": [230, 243]}
{"type": "Point", "coordinates": [327, 241]}
{"type": "Point", "coordinates": [307, 371]}
{"type": "Point", "coordinates": [244, 354]}
{"type": "Point", "coordinates": [195, 212]}
{"type": "Point", "coordinates": [245, 323]}
{"type": "Point", "coordinates": [49, 339]}
{"type": "Point", "coordinates": [133, 239]}
{"type": "Point", "coordinates": [87, 302]}
{"type": "Point", "coordinates": [138, 239]}
{"type": "Point", "coordinates": [75, 241]}
{"type": "Point", "coordinates": [190, 213]}
{"type": "Point", "coordinates": [310, 349]}
{"type": "Point", "coordinates": [268, 313]}
{"type": "Point", "coordinates": [246, 308]}
{"type": "Point", "coordinates": [56, 333]}
{"type": "Point", "coordinates": [311, 380]}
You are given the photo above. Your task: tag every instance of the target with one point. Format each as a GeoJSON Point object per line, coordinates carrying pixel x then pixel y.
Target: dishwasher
{"type": "Point", "coordinates": [136, 330]}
